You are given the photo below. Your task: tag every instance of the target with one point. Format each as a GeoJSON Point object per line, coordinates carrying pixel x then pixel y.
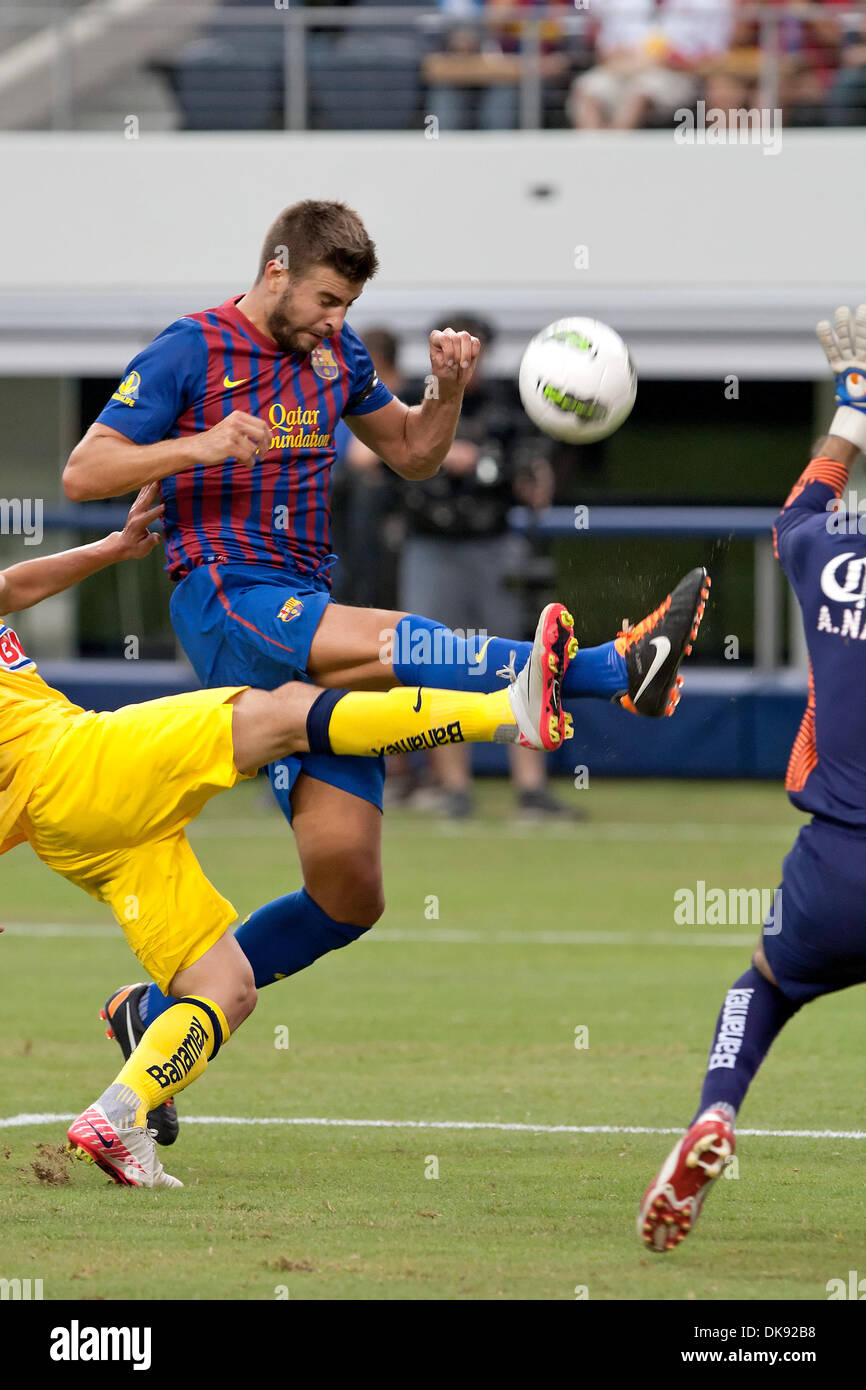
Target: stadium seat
{"type": "Point", "coordinates": [368, 82]}
{"type": "Point", "coordinates": [229, 84]}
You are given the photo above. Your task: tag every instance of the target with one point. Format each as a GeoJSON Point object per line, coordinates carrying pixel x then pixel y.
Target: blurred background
{"type": "Point", "coordinates": [514, 164]}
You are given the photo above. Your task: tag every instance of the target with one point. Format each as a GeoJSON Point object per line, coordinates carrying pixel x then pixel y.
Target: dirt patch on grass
{"type": "Point", "coordinates": [51, 1164]}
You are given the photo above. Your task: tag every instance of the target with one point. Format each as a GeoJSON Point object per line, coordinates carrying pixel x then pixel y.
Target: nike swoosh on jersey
{"type": "Point", "coordinates": [479, 656]}
{"type": "Point", "coordinates": [663, 647]}
{"type": "Point", "coordinates": [417, 705]}
{"type": "Point", "coordinates": [228, 383]}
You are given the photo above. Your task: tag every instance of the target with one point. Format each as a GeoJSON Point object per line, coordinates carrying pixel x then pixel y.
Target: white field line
{"type": "Point", "coordinates": [699, 936]}
{"type": "Point", "coordinates": [688, 832]}
{"type": "Point", "coordinates": [23, 1121]}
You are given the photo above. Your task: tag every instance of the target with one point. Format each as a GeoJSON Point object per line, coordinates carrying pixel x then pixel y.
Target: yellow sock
{"type": "Point", "coordinates": [173, 1052]}
{"type": "Point", "coordinates": [410, 718]}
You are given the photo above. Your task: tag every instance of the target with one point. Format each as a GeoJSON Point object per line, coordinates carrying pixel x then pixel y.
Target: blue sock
{"type": "Point", "coordinates": [288, 934]}
{"type": "Point", "coordinates": [428, 653]}
{"type": "Point", "coordinates": [279, 939]}
{"type": "Point", "coordinates": [153, 1003]}
{"type": "Point", "coordinates": [596, 671]}
{"type": "Point", "coordinates": [752, 1016]}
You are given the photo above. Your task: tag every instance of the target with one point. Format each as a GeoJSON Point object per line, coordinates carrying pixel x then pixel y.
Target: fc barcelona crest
{"type": "Point", "coordinates": [290, 609]}
{"type": "Point", "coordinates": [324, 363]}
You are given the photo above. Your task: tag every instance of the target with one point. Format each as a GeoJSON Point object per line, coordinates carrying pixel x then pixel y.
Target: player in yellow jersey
{"type": "Point", "coordinates": [103, 799]}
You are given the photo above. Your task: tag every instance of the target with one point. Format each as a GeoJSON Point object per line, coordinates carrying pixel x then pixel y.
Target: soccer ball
{"type": "Point", "coordinates": [577, 381]}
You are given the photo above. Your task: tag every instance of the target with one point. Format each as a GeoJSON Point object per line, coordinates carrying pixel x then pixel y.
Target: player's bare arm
{"type": "Point", "coordinates": [415, 440]}
{"type": "Point", "coordinates": [25, 584]}
{"type": "Point", "coordinates": [105, 463]}
{"type": "Point", "coordinates": [832, 446]}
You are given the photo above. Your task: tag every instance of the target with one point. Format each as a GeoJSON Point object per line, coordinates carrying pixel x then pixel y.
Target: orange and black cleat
{"type": "Point", "coordinates": [125, 1026]}
{"type": "Point", "coordinates": [654, 648]}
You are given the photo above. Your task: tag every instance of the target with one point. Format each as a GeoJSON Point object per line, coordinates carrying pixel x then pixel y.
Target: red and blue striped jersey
{"type": "Point", "coordinates": [822, 550]}
{"type": "Point", "coordinates": [194, 374]}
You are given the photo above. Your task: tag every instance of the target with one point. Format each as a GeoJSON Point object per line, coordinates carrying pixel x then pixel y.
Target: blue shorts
{"type": "Point", "coordinates": [254, 625]}
{"type": "Point", "coordinates": [818, 943]}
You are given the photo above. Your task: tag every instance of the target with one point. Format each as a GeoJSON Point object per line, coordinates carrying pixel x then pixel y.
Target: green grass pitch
{"type": "Point", "coordinates": [465, 1016]}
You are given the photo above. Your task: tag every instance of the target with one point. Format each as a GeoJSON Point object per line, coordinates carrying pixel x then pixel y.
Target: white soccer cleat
{"type": "Point", "coordinates": [536, 694]}
{"type": "Point", "coordinates": [128, 1156]}
{"type": "Point", "coordinates": [672, 1203]}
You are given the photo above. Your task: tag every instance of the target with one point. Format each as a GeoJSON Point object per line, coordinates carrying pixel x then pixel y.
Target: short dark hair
{"type": "Point", "coordinates": [320, 233]}
{"type": "Point", "coordinates": [382, 343]}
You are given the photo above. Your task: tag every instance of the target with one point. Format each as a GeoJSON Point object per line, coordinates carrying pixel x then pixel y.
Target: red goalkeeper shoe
{"type": "Point", "coordinates": [672, 1202]}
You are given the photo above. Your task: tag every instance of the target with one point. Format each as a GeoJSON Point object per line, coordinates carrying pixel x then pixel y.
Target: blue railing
{"type": "Point", "coordinates": [736, 522]}
{"type": "Point", "coordinates": [557, 523]}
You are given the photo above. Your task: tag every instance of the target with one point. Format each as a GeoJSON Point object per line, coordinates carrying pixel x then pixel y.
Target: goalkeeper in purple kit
{"type": "Point", "coordinates": [814, 939]}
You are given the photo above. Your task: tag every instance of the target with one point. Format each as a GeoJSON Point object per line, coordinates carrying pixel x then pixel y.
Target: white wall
{"type": "Point", "coordinates": [691, 249]}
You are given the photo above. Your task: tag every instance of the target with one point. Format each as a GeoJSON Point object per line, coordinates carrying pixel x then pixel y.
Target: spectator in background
{"type": "Point", "coordinates": [650, 55]}
{"type": "Point", "coordinates": [732, 83]}
{"type": "Point", "coordinates": [365, 499]}
{"type": "Point", "coordinates": [807, 52]}
{"type": "Point", "coordinates": [459, 558]}
{"type": "Point", "coordinates": [474, 82]}
{"type": "Point", "coordinates": [846, 99]}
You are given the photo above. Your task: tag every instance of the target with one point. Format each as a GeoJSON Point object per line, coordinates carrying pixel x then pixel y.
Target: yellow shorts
{"type": "Point", "coordinates": [109, 814]}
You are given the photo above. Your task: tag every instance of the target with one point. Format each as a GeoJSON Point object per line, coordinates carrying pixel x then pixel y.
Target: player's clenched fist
{"type": "Point", "coordinates": [453, 355]}
{"type": "Point", "coordinates": [238, 436]}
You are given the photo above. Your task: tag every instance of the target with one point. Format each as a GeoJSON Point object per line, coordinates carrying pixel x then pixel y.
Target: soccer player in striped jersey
{"type": "Point", "coordinates": [814, 939]}
{"type": "Point", "coordinates": [104, 800]}
{"type": "Point", "coordinates": [233, 411]}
